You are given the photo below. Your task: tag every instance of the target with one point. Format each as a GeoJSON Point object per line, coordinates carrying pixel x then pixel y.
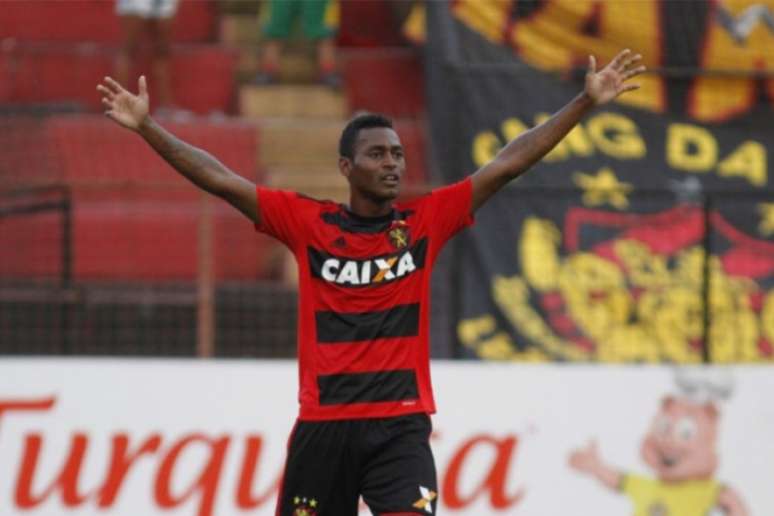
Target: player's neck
{"type": "Point", "coordinates": [363, 207]}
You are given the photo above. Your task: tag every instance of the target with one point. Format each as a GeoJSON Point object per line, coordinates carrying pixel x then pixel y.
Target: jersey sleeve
{"type": "Point", "coordinates": [281, 214]}
{"type": "Point", "coordinates": [450, 210]}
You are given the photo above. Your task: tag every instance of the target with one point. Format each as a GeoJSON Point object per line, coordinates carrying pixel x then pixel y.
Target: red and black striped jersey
{"type": "Point", "coordinates": [364, 285]}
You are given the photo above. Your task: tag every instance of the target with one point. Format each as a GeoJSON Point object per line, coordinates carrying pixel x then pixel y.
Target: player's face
{"type": "Point", "coordinates": [378, 164]}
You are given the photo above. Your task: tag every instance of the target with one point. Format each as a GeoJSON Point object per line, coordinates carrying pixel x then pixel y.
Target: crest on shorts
{"type": "Point", "coordinates": [304, 506]}
{"type": "Point", "coordinates": [399, 234]}
{"type": "Point", "coordinates": [426, 502]}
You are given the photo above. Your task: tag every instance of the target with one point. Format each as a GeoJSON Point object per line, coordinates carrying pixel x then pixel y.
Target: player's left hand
{"type": "Point", "coordinates": [611, 81]}
{"type": "Point", "coordinates": [122, 106]}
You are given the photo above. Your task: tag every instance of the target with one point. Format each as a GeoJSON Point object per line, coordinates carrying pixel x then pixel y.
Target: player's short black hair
{"type": "Point", "coordinates": [349, 134]}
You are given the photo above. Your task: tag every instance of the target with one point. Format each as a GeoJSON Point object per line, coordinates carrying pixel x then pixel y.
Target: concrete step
{"type": "Point", "coordinates": [239, 30]}
{"type": "Point", "coordinates": [300, 142]}
{"type": "Point", "coordinates": [310, 101]}
{"type": "Point", "coordinates": [315, 143]}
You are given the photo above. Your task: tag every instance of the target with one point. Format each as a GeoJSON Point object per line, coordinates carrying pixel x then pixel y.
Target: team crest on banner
{"type": "Point", "coordinates": [623, 287]}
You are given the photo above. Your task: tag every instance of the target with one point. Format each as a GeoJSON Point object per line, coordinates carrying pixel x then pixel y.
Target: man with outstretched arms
{"type": "Point", "coordinates": [364, 276]}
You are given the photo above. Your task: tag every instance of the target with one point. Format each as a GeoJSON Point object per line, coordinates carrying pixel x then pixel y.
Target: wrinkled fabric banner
{"type": "Point", "coordinates": [647, 234]}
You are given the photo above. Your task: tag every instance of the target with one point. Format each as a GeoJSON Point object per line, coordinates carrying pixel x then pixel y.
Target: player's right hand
{"type": "Point", "coordinates": [127, 109]}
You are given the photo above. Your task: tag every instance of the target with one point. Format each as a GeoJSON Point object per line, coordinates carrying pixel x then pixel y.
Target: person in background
{"type": "Point", "coordinates": [154, 18]}
{"type": "Point", "coordinates": [319, 21]}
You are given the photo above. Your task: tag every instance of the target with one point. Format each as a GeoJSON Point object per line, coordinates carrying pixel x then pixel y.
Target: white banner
{"type": "Point", "coordinates": [207, 438]}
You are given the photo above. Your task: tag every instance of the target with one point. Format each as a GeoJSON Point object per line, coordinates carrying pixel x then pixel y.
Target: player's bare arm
{"type": "Point", "coordinates": [201, 168]}
{"type": "Point", "coordinates": [529, 147]}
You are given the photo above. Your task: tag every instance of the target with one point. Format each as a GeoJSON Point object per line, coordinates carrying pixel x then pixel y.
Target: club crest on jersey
{"type": "Point", "coordinates": [398, 234]}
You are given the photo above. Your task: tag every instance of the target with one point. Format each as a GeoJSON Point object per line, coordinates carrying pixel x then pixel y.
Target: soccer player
{"type": "Point", "coordinates": [364, 275]}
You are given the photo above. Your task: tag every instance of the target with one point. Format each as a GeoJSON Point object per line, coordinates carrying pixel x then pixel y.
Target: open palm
{"type": "Point", "coordinates": [124, 107]}
{"type": "Point", "coordinates": [611, 81]}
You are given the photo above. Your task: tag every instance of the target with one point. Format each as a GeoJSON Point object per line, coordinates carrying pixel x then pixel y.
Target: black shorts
{"type": "Point", "coordinates": [387, 461]}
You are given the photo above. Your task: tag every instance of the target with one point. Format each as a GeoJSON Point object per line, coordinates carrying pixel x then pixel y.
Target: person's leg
{"type": "Point", "coordinates": [270, 60]}
{"type": "Point", "coordinates": [320, 19]}
{"type": "Point", "coordinates": [400, 478]}
{"type": "Point", "coordinates": [279, 19]}
{"type": "Point", "coordinates": [160, 29]}
{"type": "Point", "coordinates": [321, 468]}
{"type": "Point", "coordinates": [161, 15]}
{"type": "Point", "coordinates": [326, 63]}
{"type": "Point", "coordinates": [132, 28]}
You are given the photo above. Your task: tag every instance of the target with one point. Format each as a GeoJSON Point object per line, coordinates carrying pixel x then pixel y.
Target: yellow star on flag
{"type": "Point", "coordinates": [313, 503]}
{"type": "Point", "coordinates": [603, 187]}
{"type": "Point", "coordinates": [766, 209]}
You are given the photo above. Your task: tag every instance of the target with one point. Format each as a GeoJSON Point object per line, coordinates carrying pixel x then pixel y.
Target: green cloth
{"type": "Point", "coordinates": [319, 18]}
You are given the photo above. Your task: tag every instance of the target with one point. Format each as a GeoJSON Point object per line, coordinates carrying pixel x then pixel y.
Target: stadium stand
{"type": "Point", "coordinates": [100, 241]}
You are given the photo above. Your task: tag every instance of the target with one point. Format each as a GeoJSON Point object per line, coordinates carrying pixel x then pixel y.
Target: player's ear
{"type": "Point", "coordinates": [345, 166]}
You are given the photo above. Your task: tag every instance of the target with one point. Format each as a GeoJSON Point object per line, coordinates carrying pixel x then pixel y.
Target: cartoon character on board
{"type": "Point", "coordinates": [681, 448]}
